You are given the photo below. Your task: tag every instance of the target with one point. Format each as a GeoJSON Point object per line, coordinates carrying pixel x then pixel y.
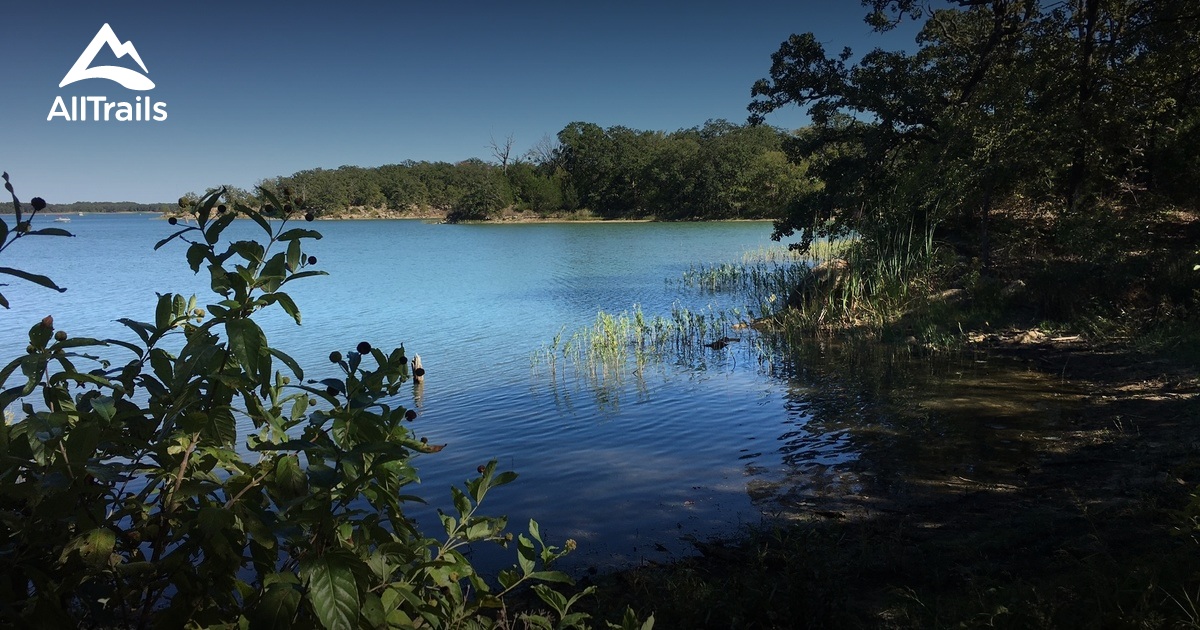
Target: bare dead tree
{"type": "Point", "coordinates": [502, 151]}
{"type": "Point", "coordinates": [545, 151]}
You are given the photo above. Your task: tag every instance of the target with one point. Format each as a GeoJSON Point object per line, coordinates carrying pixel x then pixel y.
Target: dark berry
{"type": "Point", "coordinates": [481, 469]}
{"type": "Point", "coordinates": [221, 209]}
{"type": "Point", "coordinates": [308, 216]}
{"type": "Point", "coordinates": [419, 371]}
{"type": "Point", "coordinates": [173, 221]}
{"type": "Point", "coordinates": [363, 347]}
{"type": "Point", "coordinates": [268, 209]}
{"type": "Point", "coordinates": [424, 440]}
{"type": "Point", "coordinates": [38, 204]}
{"type": "Point", "coordinates": [287, 207]}
{"type": "Point", "coordinates": [335, 357]}
{"type": "Point", "coordinates": [312, 401]}
{"type": "Point", "coordinates": [410, 415]}
{"type": "Point", "coordinates": [287, 191]}
{"type": "Point", "coordinates": [60, 335]}
{"type": "Point", "coordinates": [312, 260]}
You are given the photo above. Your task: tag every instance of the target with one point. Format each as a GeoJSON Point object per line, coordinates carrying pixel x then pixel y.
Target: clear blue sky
{"type": "Point", "coordinates": [255, 90]}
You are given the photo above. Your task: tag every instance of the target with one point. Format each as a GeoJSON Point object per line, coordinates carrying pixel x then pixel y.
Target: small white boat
{"type": "Point", "coordinates": [62, 220]}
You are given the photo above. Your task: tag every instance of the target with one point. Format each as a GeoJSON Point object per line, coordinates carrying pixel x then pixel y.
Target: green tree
{"type": "Point", "coordinates": [1065, 105]}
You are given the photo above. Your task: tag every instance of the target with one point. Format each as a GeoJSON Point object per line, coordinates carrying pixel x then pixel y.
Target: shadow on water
{"type": "Point", "coordinates": [873, 426]}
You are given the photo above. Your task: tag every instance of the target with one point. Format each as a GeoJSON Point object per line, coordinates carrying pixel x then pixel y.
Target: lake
{"type": "Point", "coordinates": [630, 467]}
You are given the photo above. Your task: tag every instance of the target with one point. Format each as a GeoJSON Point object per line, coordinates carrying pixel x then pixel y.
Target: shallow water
{"type": "Point", "coordinates": [629, 466]}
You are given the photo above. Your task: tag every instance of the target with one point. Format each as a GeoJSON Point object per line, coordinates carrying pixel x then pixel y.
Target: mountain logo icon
{"type": "Point", "coordinates": [130, 79]}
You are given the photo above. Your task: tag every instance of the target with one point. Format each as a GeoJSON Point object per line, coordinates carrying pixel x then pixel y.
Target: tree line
{"type": "Point", "coordinates": [101, 207]}
{"type": "Point", "coordinates": [715, 171]}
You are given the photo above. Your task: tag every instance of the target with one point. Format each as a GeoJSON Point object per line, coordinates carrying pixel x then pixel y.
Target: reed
{"type": "Point", "coordinates": [782, 293]}
{"type": "Point", "coordinates": [616, 342]}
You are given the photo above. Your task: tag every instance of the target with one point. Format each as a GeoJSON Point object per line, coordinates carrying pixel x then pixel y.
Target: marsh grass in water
{"type": "Point", "coordinates": [781, 296]}
{"type": "Point", "coordinates": [605, 351]}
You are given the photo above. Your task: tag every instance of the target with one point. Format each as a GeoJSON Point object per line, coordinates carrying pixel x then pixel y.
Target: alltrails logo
{"type": "Point", "coordinates": [99, 107]}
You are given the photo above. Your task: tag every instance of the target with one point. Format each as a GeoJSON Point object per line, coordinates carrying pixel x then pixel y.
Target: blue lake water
{"type": "Point", "coordinates": [630, 469]}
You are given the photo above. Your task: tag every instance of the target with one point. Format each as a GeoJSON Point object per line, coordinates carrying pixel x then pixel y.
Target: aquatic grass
{"type": "Point", "coordinates": [847, 285]}
{"type": "Point", "coordinates": [876, 283]}
{"type": "Point", "coordinates": [615, 345]}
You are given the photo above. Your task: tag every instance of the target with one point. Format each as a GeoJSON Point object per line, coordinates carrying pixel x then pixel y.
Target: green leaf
{"type": "Point", "coordinates": [249, 345]}
{"type": "Point", "coordinates": [503, 478]}
{"type": "Point", "coordinates": [552, 576]}
{"type": "Point", "coordinates": [553, 598]}
{"type": "Point", "coordinates": [526, 556]}
{"type": "Point", "coordinates": [478, 531]}
{"type": "Point", "coordinates": [289, 479]}
{"type": "Point", "coordinates": [304, 274]}
{"type": "Point", "coordinates": [293, 255]}
{"type": "Point", "coordinates": [276, 608]}
{"type": "Point", "coordinates": [285, 301]}
{"type": "Point", "coordinates": [49, 232]}
{"type": "Point", "coordinates": [273, 273]}
{"type": "Point", "coordinates": [104, 407]}
{"type": "Point", "coordinates": [196, 254]}
{"type": "Point", "coordinates": [32, 277]}
{"type": "Point", "coordinates": [39, 335]}
{"type": "Point", "coordinates": [94, 547]}
{"type": "Point", "coordinates": [298, 233]}
{"type": "Point", "coordinates": [220, 279]}
{"type": "Point", "coordinates": [250, 250]}
{"type": "Point", "coordinates": [213, 234]}
{"type": "Point", "coordinates": [332, 589]}
{"type": "Point", "coordinates": [258, 218]}
{"type": "Point", "coordinates": [372, 611]}
{"type": "Point", "coordinates": [288, 361]}
{"type": "Point", "coordinates": [142, 329]}
{"type": "Point", "coordinates": [162, 312]}
{"type": "Point", "coordinates": [80, 342]}
{"type": "Point", "coordinates": [208, 203]}
{"type": "Point", "coordinates": [461, 503]}
{"type": "Point", "coordinates": [173, 237]}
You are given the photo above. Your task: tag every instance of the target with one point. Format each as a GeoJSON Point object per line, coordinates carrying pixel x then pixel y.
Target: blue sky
{"type": "Point", "coordinates": [255, 90]}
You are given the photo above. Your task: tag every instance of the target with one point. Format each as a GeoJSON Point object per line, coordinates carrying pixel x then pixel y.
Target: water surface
{"type": "Point", "coordinates": [630, 468]}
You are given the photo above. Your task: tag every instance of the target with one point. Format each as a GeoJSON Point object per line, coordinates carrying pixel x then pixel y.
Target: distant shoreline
{"type": "Point", "coordinates": [507, 219]}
